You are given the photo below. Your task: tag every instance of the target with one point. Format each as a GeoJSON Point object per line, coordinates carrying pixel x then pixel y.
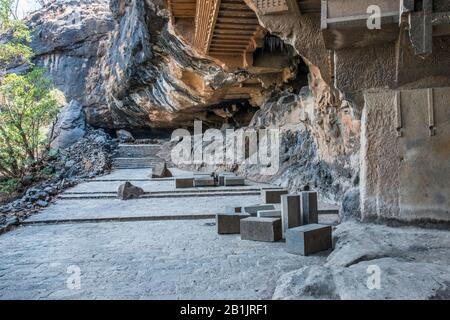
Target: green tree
{"type": "Point", "coordinates": [28, 103]}
{"type": "Point", "coordinates": [15, 35]}
{"type": "Point", "coordinates": [28, 106]}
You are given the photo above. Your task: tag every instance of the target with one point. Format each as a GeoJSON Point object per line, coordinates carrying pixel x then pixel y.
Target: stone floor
{"type": "Point", "coordinates": [176, 259]}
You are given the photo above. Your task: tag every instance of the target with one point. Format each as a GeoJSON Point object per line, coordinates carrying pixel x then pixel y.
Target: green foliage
{"type": "Point", "coordinates": [15, 49]}
{"type": "Point", "coordinates": [28, 103]}
{"type": "Point", "coordinates": [28, 106]}
{"type": "Point", "coordinates": [9, 186]}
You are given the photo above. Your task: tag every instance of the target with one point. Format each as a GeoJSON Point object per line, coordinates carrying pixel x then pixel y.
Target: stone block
{"type": "Point", "coordinates": [229, 223]}
{"type": "Point", "coordinates": [253, 210]}
{"type": "Point", "coordinates": [221, 177]}
{"type": "Point", "coordinates": [261, 229]}
{"type": "Point", "coordinates": [181, 183]}
{"type": "Point", "coordinates": [309, 239]}
{"type": "Point", "coordinates": [204, 181]}
{"type": "Point", "coordinates": [234, 181]}
{"type": "Point", "coordinates": [269, 214]}
{"type": "Point", "coordinates": [310, 213]}
{"type": "Point", "coordinates": [291, 211]}
{"type": "Point", "coordinates": [161, 171]}
{"type": "Point", "coordinates": [128, 191]}
{"type": "Point", "coordinates": [273, 195]}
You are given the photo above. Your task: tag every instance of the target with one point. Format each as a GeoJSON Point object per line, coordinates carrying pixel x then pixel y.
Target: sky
{"type": "Point", "coordinates": [26, 6]}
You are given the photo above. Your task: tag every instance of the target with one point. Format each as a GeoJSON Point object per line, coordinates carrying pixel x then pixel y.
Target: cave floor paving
{"type": "Point", "coordinates": [141, 259]}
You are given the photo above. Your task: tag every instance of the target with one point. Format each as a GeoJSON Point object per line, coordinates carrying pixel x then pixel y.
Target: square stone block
{"type": "Point", "coordinates": [310, 214]}
{"type": "Point", "coordinates": [261, 229]}
{"type": "Point", "coordinates": [309, 239]}
{"type": "Point", "coordinates": [234, 181]}
{"type": "Point", "coordinates": [291, 211]}
{"type": "Point", "coordinates": [273, 195]}
{"type": "Point", "coordinates": [269, 214]}
{"type": "Point", "coordinates": [204, 181]}
{"type": "Point", "coordinates": [184, 183]}
{"type": "Point", "coordinates": [221, 177]}
{"type": "Point", "coordinates": [229, 223]}
{"type": "Point", "coordinates": [253, 210]}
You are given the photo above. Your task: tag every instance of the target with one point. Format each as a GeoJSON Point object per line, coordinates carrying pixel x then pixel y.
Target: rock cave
{"type": "Point", "coordinates": [357, 92]}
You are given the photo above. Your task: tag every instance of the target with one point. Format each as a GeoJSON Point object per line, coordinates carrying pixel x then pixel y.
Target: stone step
{"type": "Point", "coordinates": [162, 195]}
{"type": "Point", "coordinates": [137, 151]}
{"type": "Point", "coordinates": [190, 190]}
{"type": "Point", "coordinates": [135, 163]}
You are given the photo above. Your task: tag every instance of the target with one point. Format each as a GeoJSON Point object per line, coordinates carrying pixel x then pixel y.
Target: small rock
{"type": "Point", "coordinates": [125, 136]}
{"type": "Point", "coordinates": [69, 164]}
{"type": "Point", "coordinates": [42, 203]}
{"type": "Point", "coordinates": [11, 221]}
{"type": "Point", "coordinates": [27, 180]}
{"type": "Point", "coordinates": [100, 140]}
{"type": "Point", "coordinates": [161, 171]}
{"type": "Point", "coordinates": [128, 191]}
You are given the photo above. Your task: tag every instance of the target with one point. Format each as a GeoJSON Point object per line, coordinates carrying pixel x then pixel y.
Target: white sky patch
{"type": "Point", "coordinates": [26, 6]}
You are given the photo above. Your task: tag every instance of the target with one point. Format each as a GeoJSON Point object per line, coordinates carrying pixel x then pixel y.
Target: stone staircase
{"type": "Point", "coordinates": [137, 156]}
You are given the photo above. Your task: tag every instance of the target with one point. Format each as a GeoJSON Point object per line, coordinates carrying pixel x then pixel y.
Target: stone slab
{"type": "Point", "coordinates": [269, 214]}
{"type": "Point", "coordinates": [204, 181]}
{"type": "Point", "coordinates": [234, 181]}
{"type": "Point", "coordinates": [221, 177]}
{"type": "Point", "coordinates": [253, 210]}
{"type": "Point", "coordinates": [308, 239]}
{"type": "Point", "coordinates": [229, 223]}
{"type": "Point", "coordinates": [291, 211]}
{"type": "Point", "coordinates": [309, 208]}
{"type": "Point", "coordinates": [261, 229]}
{"type": "Point", "coordinates": [273, 196]}
{"type": "Point", "coordinates": [181, 183]}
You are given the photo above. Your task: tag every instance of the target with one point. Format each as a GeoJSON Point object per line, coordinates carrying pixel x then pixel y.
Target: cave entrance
{"type": "Point", "coordinates": [282, 58]}
{"type": "Point", "coordinates": [231, 113]}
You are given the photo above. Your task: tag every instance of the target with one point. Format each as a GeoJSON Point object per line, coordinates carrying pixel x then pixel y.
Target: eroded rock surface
{"type": "Point", "coordinates": [70, 126]}
{"type": "Point", "coordinates": [66, 38]}
{"type": "Point", "coordinates": [412, 263]}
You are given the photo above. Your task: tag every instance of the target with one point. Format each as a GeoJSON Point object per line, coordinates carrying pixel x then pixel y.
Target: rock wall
{"type": "Point", "coordinates": [122, 61]}
{"type": "Point", "coordinates": [66, 38]}
{"type": "Point", "coordinates": [409, 182]}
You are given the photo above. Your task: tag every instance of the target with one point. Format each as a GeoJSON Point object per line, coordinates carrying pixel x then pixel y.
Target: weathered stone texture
{"type": "Point", "coordinates": [410, 181]}
{"type": "Point", "coordinates": [70, 126]}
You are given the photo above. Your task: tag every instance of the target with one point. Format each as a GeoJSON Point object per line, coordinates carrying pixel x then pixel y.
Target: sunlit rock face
{"type": "Point", "coordinates": [147, 76]}
{"type": "Point", "coordinates": [124, 63]}
{"type": "Point", "coordinates": [66, 37]}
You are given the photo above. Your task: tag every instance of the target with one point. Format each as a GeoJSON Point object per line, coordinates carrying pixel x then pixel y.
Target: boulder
{"type": "Point", "coordinates": [27, 180]}
{"type": "Point", "coordinates": [128, 191]}
{"type": "Point", "coordinates": [70, 126]}
{"type": "Point", "coordinates": [161, 171]}
{"type": "Point", "coordinates": [124, 136]}
{"type": "Point", "coordinates": [350, 208]}
{"type": "Point", "coordinates": [398, 280]}
{"type": "Point", "coordinates": [376, 262]}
